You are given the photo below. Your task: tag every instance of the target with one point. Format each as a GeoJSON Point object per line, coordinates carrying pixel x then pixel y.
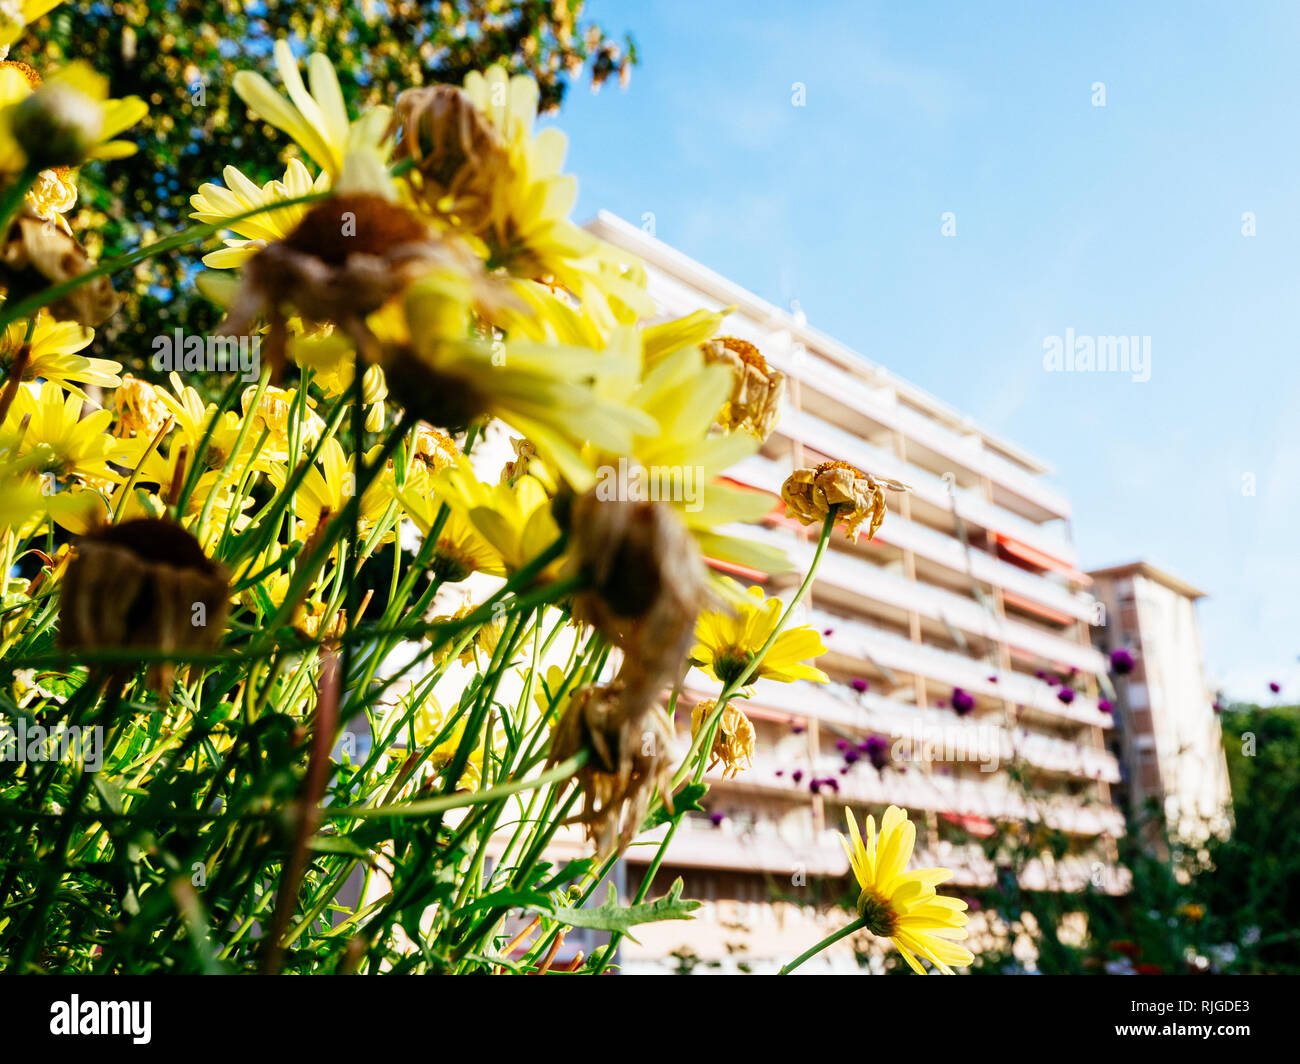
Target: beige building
{"type": "Point", "coordinates": [949, 635]}
{"type": "Point", "coordinates": [1168, 737]}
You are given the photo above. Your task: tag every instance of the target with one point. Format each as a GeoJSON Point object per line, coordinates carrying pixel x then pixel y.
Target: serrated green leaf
{"type": "Point", "coordinates": [614, 917]}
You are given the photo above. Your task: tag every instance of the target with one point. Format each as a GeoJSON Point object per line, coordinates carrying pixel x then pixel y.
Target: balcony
{"type": "Point", "coordinates": [859, 641]}
{"type": "Point", "coordinates": [864, 580]}
{"type": "Point", "coordinates": [972, 507]}
{"type": "Point", "coordinates": [942, 549]}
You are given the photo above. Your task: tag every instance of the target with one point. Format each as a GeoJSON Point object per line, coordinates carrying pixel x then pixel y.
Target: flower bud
{"type": "Point", "coordinates": [57, 125]}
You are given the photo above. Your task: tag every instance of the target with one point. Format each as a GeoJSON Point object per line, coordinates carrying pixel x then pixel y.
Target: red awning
{"type": "Point", "coordinates": [980, 827]}
{"type": "Point", "coordinates": [1034, 556]}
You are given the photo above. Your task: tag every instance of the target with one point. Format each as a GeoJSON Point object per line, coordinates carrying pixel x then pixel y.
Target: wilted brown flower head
{"type": "Point", "coordinates": [143, 584]}
{"type": "Point", "coordinates": [36, 253]}
{"type": "Point", "coordinates": [645, 580]}
{"type": "Point", "coordinates": [733, 742]}
{"type": "Point", "coordinates": [350, 254]}
{"type": "Point", "coordinates": [457, 153]}
{"type": "Point", "coordinates": [630, 756]}
{"type": "Point", "coordinates": [811, 494]}
{"type": "Point", "coordinates": [756, 388]}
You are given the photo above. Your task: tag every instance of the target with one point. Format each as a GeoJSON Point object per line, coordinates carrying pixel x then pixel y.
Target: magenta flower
{"type": "Point", "coordinates": [1121, 662]}
{"type": "Point", "coordinates": [962, 701]}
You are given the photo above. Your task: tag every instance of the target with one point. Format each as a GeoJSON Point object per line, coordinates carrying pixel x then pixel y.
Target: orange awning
{"type": "Point", "coordinates": [1012, 599]}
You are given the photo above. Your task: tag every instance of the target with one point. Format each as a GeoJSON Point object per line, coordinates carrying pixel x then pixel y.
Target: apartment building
{"type": "Point", "coordinates": [964, 679]}
{"type": "Point", "coordinates": [1167, 736]}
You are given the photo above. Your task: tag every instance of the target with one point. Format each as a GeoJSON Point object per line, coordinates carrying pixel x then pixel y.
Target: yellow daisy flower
{"type": "Point", "coordinates": [434, 732]}
{"type": "Point", "coordinates": [14, 18]}
{"type": "Point", "coordinates": [515, 520]}
{"type": "Point", "coordinates": [326, 489]}
{"type": "Point", "coordinates": [727, 643]}
{"type": "Point", "coordinates": [437, 368]}
{"type": "Point", "coordinates": [57, 439]}
{"type": "Point", "coordinates": [681, 395]}
{"type": "Point", "coordinates": [66, 119]}
{"type": "Point", "coordinates": [54, 192]}
{"type": "Point", "coordinates": [217, 203]}
{"type": "Point", "coordinates": [528, 231]}
{"type": "Point", "coordinates": [461, 549]}
{"type": "Point", "coordinates": [901, 905]}
{"type": "Point", "coordinates": [52, 354]}
{"type": "Point", "coordinates": [317, 120]}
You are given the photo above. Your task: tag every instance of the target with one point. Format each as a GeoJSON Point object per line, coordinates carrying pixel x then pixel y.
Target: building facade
{"type": "Point", "coordinates": [964, 678]}
{"type": "Point", "coordinates": [1168, 739]}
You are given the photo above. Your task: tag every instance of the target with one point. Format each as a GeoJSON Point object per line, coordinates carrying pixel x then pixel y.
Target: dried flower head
{"type": "Point", "coordinates": [36, 254]}
{"type": "Point", "coordinates": [458, 154]}
{"type": "Point", "coordinates": [139, 410]}
{"type": "Point", "coordinates": [644, 576]}
{"type": "Point", "coordinates": [433, 449]}
{"type": "Point", "coordinates": [525, 456]}
{"type": "Point", "coordinates": [350, 254]}
{"type": "Point", "coordinates": [629, 749]}
{"type": "Point", "coordinates": [811, 494]}
{"type": "Point", "coordinates": [143, 584]}
{"type": "Point", "coordinates": [733, 743]}
{"type": "Point", "coordinates": [756, 388]}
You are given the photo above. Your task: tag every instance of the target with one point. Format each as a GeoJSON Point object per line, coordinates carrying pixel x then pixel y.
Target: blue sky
{"type": "Point", "coordinates": [1118, 220]}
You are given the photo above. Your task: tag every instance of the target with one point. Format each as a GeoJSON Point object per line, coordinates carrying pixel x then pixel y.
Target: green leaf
{"type": "Point", "coordinates": [687, 800]}
{"type": "Point", "coordinates": [614, 917]}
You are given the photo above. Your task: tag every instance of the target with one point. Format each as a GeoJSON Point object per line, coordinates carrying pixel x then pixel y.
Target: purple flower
{"type": "Point", "coordinates": [1065, 695]}
{"type": "Point", "coordinates": [828, 631]}
{"type": "Point", "coordinates": [1275, 687]}
{"type": "Point", "coordinates": [797, 729]}
{"type": "Point", "coordinates": [1105, 705]}
{"type": "Point", "coordinates": [877, 751]}
{"type": "Point", "coordinates": [851, 757]}
{"type": "Point", "coordinates": [841, 744]}
{"type": "Point", "coordinates": [962, 701]}
{"type": "Point", "coordinates": [797, 775]}
{"type": "Point", "coordinates": [993, 679]}
{"type": "Point", "coordinates": [780, 772]}
{"type": "Point", "coordinates": [844, 771]}
{"type": "Point", "coordinates": [1121, 662]}
{"type": "Point", "coordinates": [815, 786]}
{"type": "Point", "coordinates": [860, 685]}
{"type": "Point", "coordinates": [832, 783]}
{"type": "Point", "coordinates": [1218, 706]}
{"type": "Point", "coordinates": [716, 818]}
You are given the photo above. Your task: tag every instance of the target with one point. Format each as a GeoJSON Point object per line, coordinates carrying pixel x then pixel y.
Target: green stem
{"type": "Point", "coordinates": [829, 940]}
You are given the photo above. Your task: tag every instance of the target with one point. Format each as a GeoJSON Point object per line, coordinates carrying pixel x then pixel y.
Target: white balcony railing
{"type": "Point", "coordinates": [869, 581]}
{"type": "Point", "coordinates": [973, 508]}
